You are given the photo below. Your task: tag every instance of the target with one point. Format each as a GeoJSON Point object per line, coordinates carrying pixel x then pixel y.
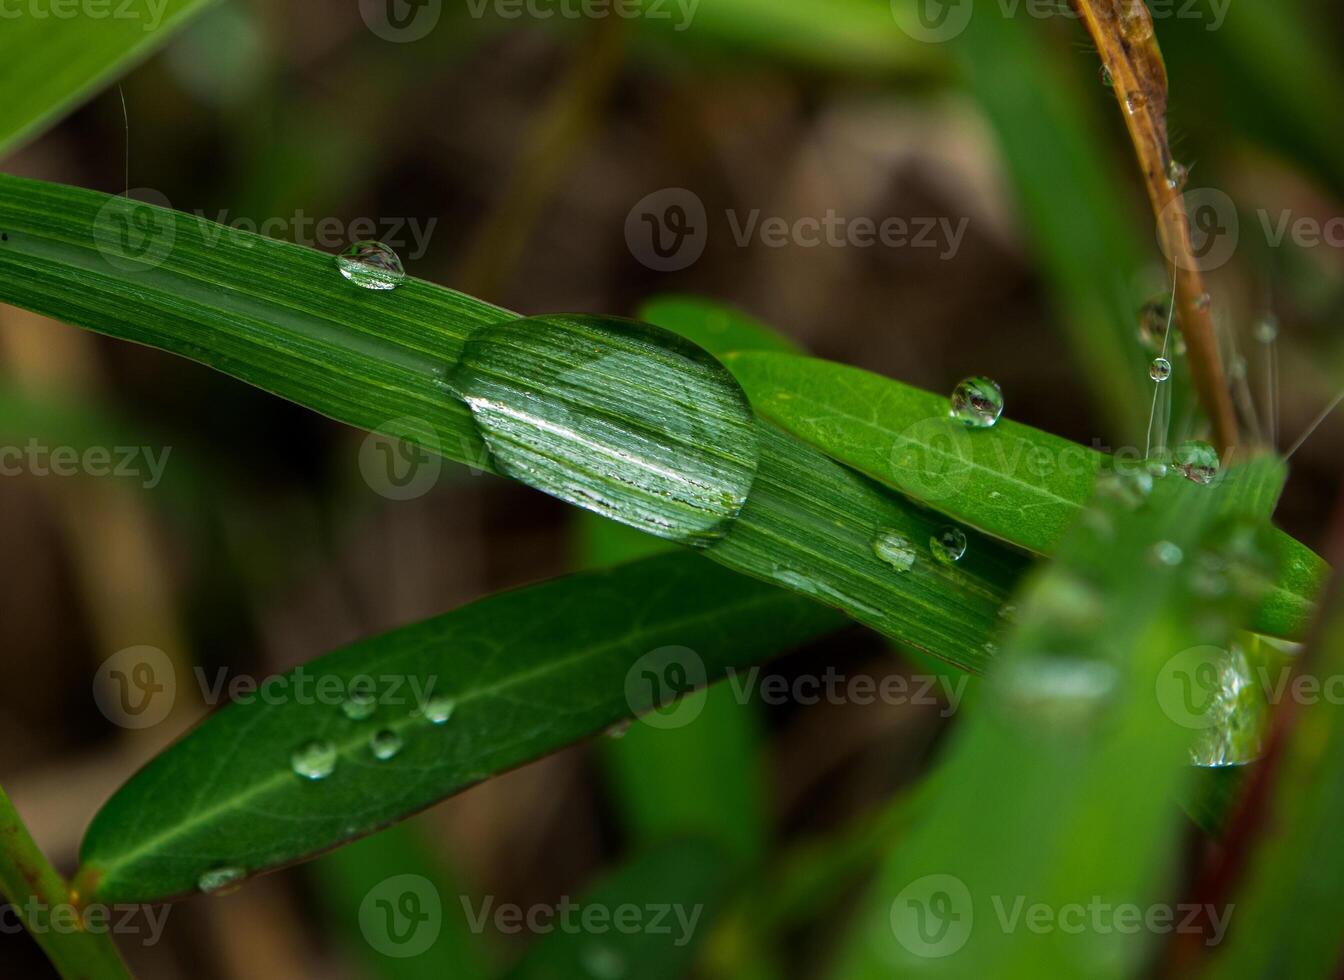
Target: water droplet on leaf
{"type": "Point", "coordinates": [895, 549]}
{"type": "Point", "coordinates": [948, 545]}
{"type": "Point", "coordinates": [371, 265]}
{"type": "Point", "coordinates": [621, 418]}
{"type": "Point", "coordinates": [385, 744]}
{"type": "Point", "coordinates": [360, 703]}
{"type": "Point", "coordinates": [1234, 712]}
{"type": "Point", "coordinates": [1160, 369]}
{"type": "Point", "coordinates": [1197, 461]}
{"type": "Point", "coordinates": [219, 880]}
{"type": "Point", "coordinates": [314, 760]}
{"type": "Point", "coordinates": [977, 402]}
{"type": "Point", "coordinates": [439, 709]}
{"type": "Point", "coordinates": [1167, 553]}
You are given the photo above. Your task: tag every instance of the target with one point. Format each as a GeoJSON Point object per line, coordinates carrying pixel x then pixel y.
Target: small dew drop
{"type": "Point", "coordinates": [619, 730]}
{"type": "Point", "coordinates": [895, 549]}
{"type": "Point", "coordinates": [438, 710]}
{"type": "Point", "coordinates": [385, 744]}
{"type": "Point", "coordinates": [1135, 102]}
{"type": "Point", "coordinates": [1127, 487]}
{"type": "Point", "coordinates": [1197, 461]}
{"type": "Point", "coordinates": [1157, 468]}
{"type": "Point", "coordinates": [1160, 369]}
{"type": "Point", "coordinates": [1106, 78]}
{"type": "Point", "coordinates": [948, 545]}
{"type": "Point", "coordinates": [360, 703]}
{"type": "Point", "coordinates": [1203, 301]}
{"type": "Point", "coordinates": [1177, 175]}
{"type": "Point", "coordinates": [1167, 553]}
{"type": "Point", "coordinates": [977, 402]}
{"type": "Point", "coordinates": [1154, 316]}
{"type": "Point", "coordinates": [1008, 612]}
{"type": "Point", "coordinates": [220, 880]}
{"type": "Point", "coordinates": [314, 760]}
{"type": "Point", "coordinates": [371, 265]}
{"type": "Point", "coordinates": [1267, 329]}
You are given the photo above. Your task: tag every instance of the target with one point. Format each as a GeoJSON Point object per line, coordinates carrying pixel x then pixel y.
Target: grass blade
{"type": "Point", "coordinates": [279, 317]}
{"type": "Point", "coordinates": [58, 61]}
{"type": "Point", "coordinates": [526, 672]}
{"type": "Point", "coordinates": [1014, 482]}
{"type": "Point", "coordinates": [1057, 794]}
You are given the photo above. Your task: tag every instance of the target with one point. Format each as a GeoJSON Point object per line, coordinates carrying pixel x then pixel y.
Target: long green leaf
{"type": "Point", "coordinates": [524, 673]}
{"type": "Point", "coordinates": [649, 919]}
{"type": "Point", "coordinates": [1019, 484]}
{"type": "Point", "coordinates": [280, 317]}
{"type": "Point", "coordinates": [1288, 912]}
{"type": "Point", "coordinates": [1054, 825]}
{"type": "Point", "coordinates": [53, 56]}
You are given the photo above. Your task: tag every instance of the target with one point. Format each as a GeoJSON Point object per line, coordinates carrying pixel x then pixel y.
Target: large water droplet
{"type": "Point", "coordinates": [371, 265]}
{"type": "Point", "coordinates": [895, 549]}
{"type": "Point", "coordinates": [948, 545]}
{"type": "Point", "coordinates": [439, 709]}
{"type": "Point", "coordinates": [1135, 22]}
{"type": "Point", "coordinates": [1160, 369]}
{"type": "Point", "coordinates": [219, 880]}
{"type": "Point", "coordinates": [977, 402]}
{"type": "Point", "coordinates": [1234, 711]}
{"type": "Point", "coordinates": [618, 417]}
{"type": "Point", "coordinates": [385, 744]}
{"type": "Point", "coordinates": [1197, 461]}
{"type": "Point", "coordinates": [314, 760]}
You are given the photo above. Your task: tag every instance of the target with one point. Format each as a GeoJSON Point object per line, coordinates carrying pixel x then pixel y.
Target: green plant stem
{"type": "Point", "coordinates": [36, 891]}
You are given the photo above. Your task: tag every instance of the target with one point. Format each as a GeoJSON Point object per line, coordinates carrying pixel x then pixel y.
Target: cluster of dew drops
{"type": "Point", "coordinates": [316, 759]}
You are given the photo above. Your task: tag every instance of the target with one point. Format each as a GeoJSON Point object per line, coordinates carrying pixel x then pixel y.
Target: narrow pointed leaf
{"type": "Point", "coordinates": [1019, 484]}
{"type": "Point", "coordinates": [50, 62]}
{"type": "Point", "coordinates": [525, 672]}
{"type": "Point", "coordinates": [1055, 813]}
{"type": "Point", "coordinates": [280, 317]}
